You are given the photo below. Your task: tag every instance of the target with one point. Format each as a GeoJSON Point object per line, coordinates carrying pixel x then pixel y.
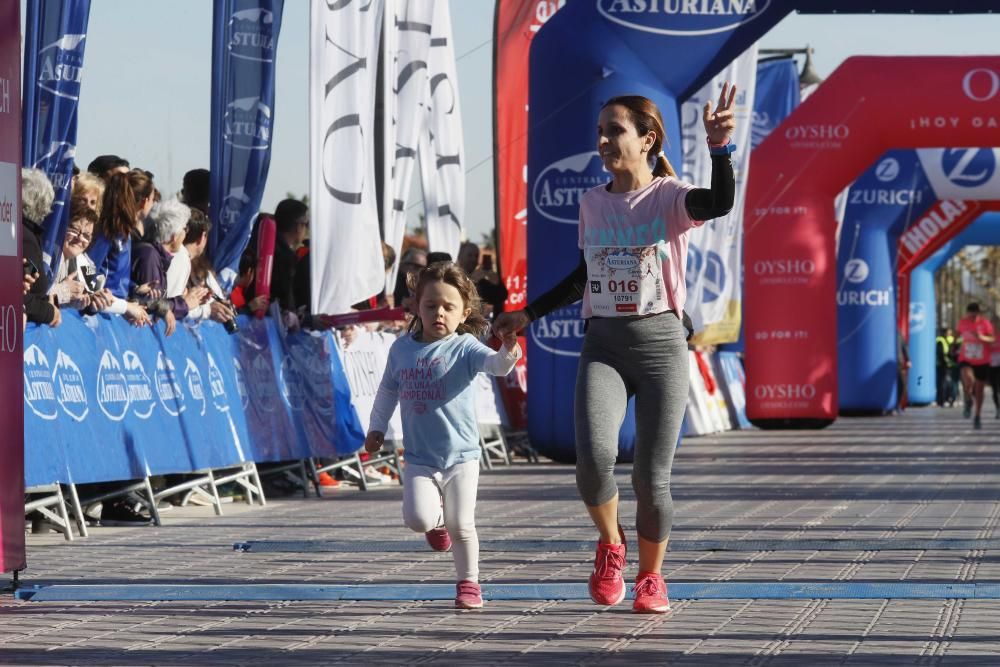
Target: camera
{"type": "Point", "coordinates": [230, 324]}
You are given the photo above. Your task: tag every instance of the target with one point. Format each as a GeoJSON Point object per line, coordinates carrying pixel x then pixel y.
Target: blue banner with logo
{"type": "Point", "coordinates": [776, 96]}
{"type": "Point", "coordinates": [54, 41]}
{"type": "Point", "coordinates": [922, 381]}
{"type": "Point", "coordinates": [244, 47]}
{"type": "Point", "coordinates": [881, 203]}
{"type": "Point", "coordinates": [105, 401]}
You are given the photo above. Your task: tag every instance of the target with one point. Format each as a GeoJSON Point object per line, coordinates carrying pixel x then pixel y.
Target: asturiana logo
{"type": "Point", "coordinates": [39, 393]}
{"type": "Point", "coordinates": [247, 124]}
{"type": "Point", "coordinates": [291, 384]}
{"type": "Point", "coordinates": [682, 17]}
{"type": "Point", "coordinates": [251, 35]}
{"type": "Point", "coordinates": [112, 388]}
{"type": "Point", "coordinates": [623, 261]}
{"type": "Point", "coordinates": [70, 390]}
{"type": "Point", "coordinates": [560, 332]}
{"type": "Point", "coordinates": [560, 186]}
{"type": "Point", "coordinates": [241, 383]}
{"type": "Point", "coordinates": [60, 66]}
{"type": "Point", "coordinates": [140, 389]}
{"type": "Point", "coordinates": [217, 385]}
{"type": "Point", "coordinates": [167, 386]}
{"type": "Point", "coordinates": [196, 388]}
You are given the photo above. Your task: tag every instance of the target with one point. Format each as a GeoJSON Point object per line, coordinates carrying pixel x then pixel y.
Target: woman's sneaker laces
{"type": "Point", "coordinates": [650, 594]}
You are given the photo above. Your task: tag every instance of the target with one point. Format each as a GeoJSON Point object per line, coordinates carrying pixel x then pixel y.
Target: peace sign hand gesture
{"type": "Point", "coordinates": [719, 125]}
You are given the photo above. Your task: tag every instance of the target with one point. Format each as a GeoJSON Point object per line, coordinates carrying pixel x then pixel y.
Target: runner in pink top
{"type": "Point", "coordinates": [976, 335]}
{"type": "Point", "coordinates": [633, 253]}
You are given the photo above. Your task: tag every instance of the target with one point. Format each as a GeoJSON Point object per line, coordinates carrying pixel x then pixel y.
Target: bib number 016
{"type": "Point", "coordinates": [623, 286]}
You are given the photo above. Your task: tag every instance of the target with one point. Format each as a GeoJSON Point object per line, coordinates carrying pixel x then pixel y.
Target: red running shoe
{"type": "Point", "coordinates": [470, 596]}
{"type": "Point", "coordinates": [607, 586]}
{"type": "Point", "coordinates": [439, 539]}
{"type": "Point", "coordinates": [650, 594]}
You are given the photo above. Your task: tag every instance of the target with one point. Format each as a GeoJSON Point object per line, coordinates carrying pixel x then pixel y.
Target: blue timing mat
{"type": "Point", "coordinates": [545, 546]}
{"type": "Point", "coordinates": [553, 591]}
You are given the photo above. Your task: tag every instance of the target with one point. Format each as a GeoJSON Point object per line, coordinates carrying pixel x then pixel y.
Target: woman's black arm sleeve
{"type": "Point", "coordinates": [705, 203]}
{"type": "Point", "coordinates": [568, 290]}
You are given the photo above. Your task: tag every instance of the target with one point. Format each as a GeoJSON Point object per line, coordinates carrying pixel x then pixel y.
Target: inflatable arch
{"type": "Point", "coordinates": [866, 107]}
{"type": "Point", "coordinates": [589, 51]}
{"type": "Point", "coordinates": [922, 383]}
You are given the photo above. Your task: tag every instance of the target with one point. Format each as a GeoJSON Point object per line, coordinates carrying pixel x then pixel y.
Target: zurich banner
{"type": "Point", "coordinates": [104, 401]}
{"type": "Point", "coordinates": [55, 37]}
{"type": "Point", "coordinates": [881, 203]}
{"type": "Point", "coordinates": [244, 46]}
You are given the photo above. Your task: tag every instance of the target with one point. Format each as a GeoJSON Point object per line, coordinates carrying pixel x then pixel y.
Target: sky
{"type": "Point", "coordinates": [147, 83]}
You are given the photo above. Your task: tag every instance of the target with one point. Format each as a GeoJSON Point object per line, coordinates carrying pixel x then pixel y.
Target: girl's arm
{"type": "Point", "coordinates": [502, 361]}
{"type": "Point", "coordinates": [386, 399]}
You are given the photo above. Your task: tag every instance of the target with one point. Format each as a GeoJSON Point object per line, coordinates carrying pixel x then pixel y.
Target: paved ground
{"type": "Point", "coordinates": [922, 475]}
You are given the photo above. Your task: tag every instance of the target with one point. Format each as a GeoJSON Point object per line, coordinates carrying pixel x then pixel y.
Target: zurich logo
{"type": "Point", "coordinates": [39, 393]}
{"type": "Point", "coordinates": [241, 383]}
{"type": "Point", "coordinates": [217, 385]}
{"type": "Point", "coordinates": [112, 388]}
{"type": "Point", "coordinates": [291, 384]}
{"type": "Point", "coordinates": [682, 17]}
{"type": "Point", "coordinates": [558, 189]}
{"type": "Point", "coordinates": [969, 167]}
{"type": "Point", "coordinates": [60, 66]}
{"type": "Point", "coordinates": [887, 170]}
{"type": "Point", "coordinates": [247, 124]}
{"type": "Point", "coordinates": [196, 388]}
{"type": "Point", "coordinates": [69, 388]}
{"type": "Point", "coordinates": [918, 316]}
{"type": "Point", "coordinates": [167, 386]}
{"type": "Point", "coordinates": [140, 389]}
{"type": "Point", "coordinates": [251, 35]}
{"type": "Point", "coordinates": [856, 271]}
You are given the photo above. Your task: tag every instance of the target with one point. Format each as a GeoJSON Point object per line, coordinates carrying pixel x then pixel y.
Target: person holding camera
{"type": "Point", "coordinates": [191, 267]}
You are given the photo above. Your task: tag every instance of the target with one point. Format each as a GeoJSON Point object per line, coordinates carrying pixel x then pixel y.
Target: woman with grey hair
{"type": "Point", "coordinates": [166, 226]}
{"type": "Point", "coordinates": [37, 196]}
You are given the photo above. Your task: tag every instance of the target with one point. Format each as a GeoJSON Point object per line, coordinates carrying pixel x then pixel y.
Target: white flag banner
{"type": "Point", "coordinates": [441, 149]}
{"type": "Point", "coordinates": [715, 250]}
{"type": "Point", "coordinates": [345, 246]}
{"type": "Point", "coordinates": [364, 355]}
{"type": "Point", "coordinates": [408, 70]}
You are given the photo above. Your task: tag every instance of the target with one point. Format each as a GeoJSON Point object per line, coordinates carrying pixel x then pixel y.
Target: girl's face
{"type": "Point", "coordinates": [619, 144]}
{"type": "Point", "coordinates": [147, 206]}
{"type": "Point", "coordinates": [441, 309]}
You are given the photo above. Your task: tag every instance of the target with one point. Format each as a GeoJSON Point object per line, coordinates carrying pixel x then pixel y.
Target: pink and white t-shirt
{"type": "Point", "coordinates": [973, 350]}
{"type": "Point", "coordinates": [636, 246]}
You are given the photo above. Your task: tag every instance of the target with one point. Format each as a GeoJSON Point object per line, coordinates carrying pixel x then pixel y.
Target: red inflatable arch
{"type": "Point", "coordinates": [868, 106]}
{"type": "Point", "coordinates": [942, 222]}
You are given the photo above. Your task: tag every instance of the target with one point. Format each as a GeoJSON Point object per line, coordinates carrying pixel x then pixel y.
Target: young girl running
{"type": "Point", "coordinates": [430, 373]}
{"type": "Point", "coordinates": [635, 342]}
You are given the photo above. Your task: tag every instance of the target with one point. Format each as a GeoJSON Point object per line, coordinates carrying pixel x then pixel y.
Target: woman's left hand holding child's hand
{"type": "Point", "coordinates": [374, 441]}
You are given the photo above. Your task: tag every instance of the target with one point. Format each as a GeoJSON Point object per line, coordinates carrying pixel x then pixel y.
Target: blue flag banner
{"type": "Point", "coordinates": [55, 37]}
{"type": "Point", "coordinates": [105, 401]}
{"type": "Point", "coordinates": [922, 380]}
{"type": "Point", "coordinates": [776, 96]}
{"type": "Point", "coordinates": [244, 46]}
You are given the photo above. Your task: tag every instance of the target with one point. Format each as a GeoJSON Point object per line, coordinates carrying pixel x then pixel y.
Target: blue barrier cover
{"type": "Point", "coordinates": [105, 401]}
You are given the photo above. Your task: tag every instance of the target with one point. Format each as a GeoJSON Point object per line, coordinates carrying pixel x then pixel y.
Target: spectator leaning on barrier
{"type": "Point", "coordinates": [37, 195]}
{"type": "Point", "coordinates": [76, 284]}
{"type": "Point", "coordinates": [128, 199]}
{"type": "Point", "coordinates": [201, 273]}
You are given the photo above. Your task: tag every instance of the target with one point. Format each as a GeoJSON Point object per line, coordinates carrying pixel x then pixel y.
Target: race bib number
{"type": "Point", "coordinates": [625, 280]}
{"type": "Point", "coordinates": [974, 351]}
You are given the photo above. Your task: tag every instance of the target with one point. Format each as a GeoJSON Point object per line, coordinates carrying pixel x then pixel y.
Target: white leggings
{"type": "Point", "coordinates": [429, 490]}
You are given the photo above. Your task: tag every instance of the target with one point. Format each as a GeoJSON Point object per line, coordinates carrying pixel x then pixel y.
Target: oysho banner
{"type": "Point", "coordinates": [441, 149]}
{"type": "Point", "coordinates": [715, 249]}
{"type": "Point", "coordinates": [55, 37]}
{"type": "Point", "coordinates": [345, 239]}
{"type": "Point", "coordinates": [244, 48]}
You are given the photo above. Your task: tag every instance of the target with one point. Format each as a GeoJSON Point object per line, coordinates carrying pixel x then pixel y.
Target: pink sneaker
{"type": "Point", "coordinates": [650, 594]}
{"type": "Point", "coordinates": [607, 586]}
{"type": "Point", "coordinates": [470, 596]}
{"type": "Point", "coordinates": [439, 539]}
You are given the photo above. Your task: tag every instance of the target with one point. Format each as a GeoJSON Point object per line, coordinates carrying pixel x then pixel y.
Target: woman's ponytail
{"type": "Point", "coordinates": [662, 166]}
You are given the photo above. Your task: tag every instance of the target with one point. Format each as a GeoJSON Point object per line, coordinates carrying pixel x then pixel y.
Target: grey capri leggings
{"type": "Point", "coordinates": [646, 358]}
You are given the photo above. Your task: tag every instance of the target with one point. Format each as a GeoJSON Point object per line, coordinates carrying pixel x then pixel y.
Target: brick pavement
{"type": "Point", "coordinates": [922, 475]}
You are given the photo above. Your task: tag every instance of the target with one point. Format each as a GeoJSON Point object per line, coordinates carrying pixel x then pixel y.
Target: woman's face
{"type": "Point", "coordinates": [78, 237]}
{"type": "Point", "coordinates": [91, 196]}
{"type": "Point", "coordinates": [147, 206]}
{"type": "Point", "coordinates": [618, 143]}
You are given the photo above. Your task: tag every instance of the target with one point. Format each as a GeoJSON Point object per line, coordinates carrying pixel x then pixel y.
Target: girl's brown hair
{"type": "Point", "coordinates": [123, 200]}
{"type": "Point", "coordinates": [646, 117]}
{"type": "Point", "coordinates": [452, 274]}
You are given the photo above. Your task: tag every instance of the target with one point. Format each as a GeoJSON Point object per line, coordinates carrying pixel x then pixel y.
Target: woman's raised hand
{"type": "Point", "coordinates": [510, 323]}
{"type": "Point", "coordinates": [719, 124]}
